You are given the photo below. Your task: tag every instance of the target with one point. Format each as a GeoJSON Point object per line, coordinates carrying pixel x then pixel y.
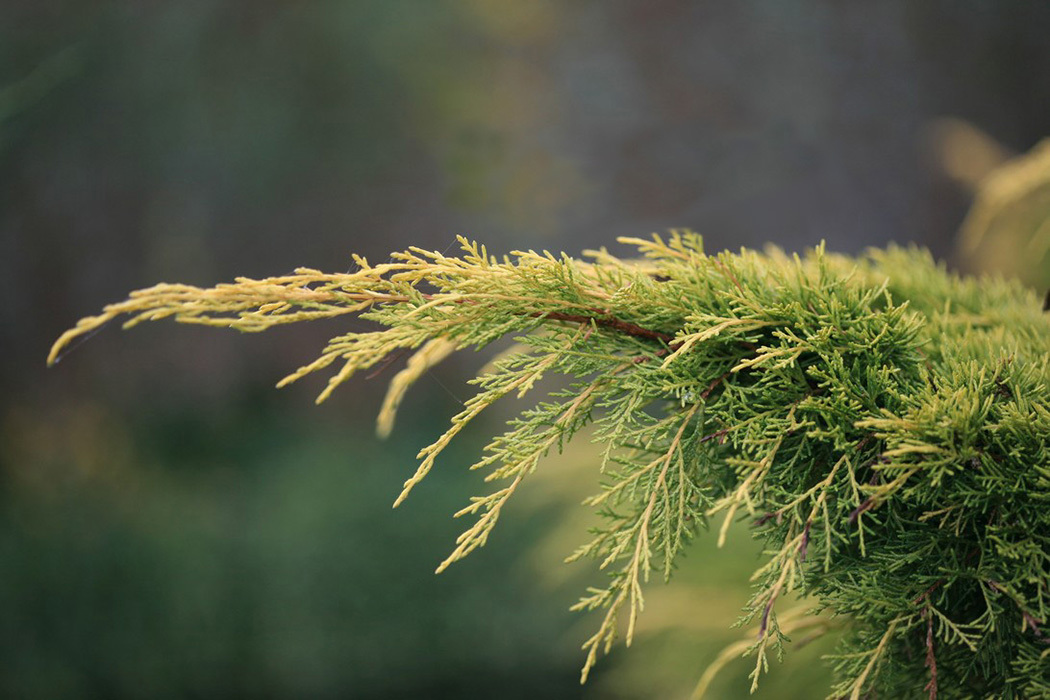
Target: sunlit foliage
{"type": "Point", "coordinates": [882, 423]}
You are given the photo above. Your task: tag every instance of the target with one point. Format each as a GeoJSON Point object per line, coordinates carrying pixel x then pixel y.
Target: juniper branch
{"type": "Point", "coordinates": [883, 423]}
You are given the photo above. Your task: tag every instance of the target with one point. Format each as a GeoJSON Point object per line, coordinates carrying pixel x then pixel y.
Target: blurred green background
{"type": "Point", "coordinates": [172, 526]}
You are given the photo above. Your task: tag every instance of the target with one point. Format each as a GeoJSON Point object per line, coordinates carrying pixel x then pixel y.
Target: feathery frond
{"type": "Point", "coordinates": [883, 423]}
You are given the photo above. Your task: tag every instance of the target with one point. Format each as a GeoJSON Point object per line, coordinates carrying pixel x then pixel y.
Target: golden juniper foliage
{"type": "Point", "coordinates": [1008, 226]}
{"type": "Point", "coordinates": [882, 423]}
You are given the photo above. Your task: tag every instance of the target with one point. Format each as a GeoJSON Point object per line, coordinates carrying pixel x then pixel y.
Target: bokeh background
{"type": "Point", "coordinates": [172, 526]}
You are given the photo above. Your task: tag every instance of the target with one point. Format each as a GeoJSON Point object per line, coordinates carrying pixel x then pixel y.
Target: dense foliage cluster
{"type": "Point", "coordinates": [882, 423]}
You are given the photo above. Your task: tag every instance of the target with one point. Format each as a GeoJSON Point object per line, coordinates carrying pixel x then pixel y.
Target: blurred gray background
{"type": "Point", "coordinates": [172, 526]}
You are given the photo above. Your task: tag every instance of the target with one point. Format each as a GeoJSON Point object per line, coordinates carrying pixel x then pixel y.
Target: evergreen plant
{"type": "Point", "coordinates": [883, 424]}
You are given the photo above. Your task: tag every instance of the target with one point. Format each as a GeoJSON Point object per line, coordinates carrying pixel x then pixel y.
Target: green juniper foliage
{"type": "Point", "coordinates": [882, 423]}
